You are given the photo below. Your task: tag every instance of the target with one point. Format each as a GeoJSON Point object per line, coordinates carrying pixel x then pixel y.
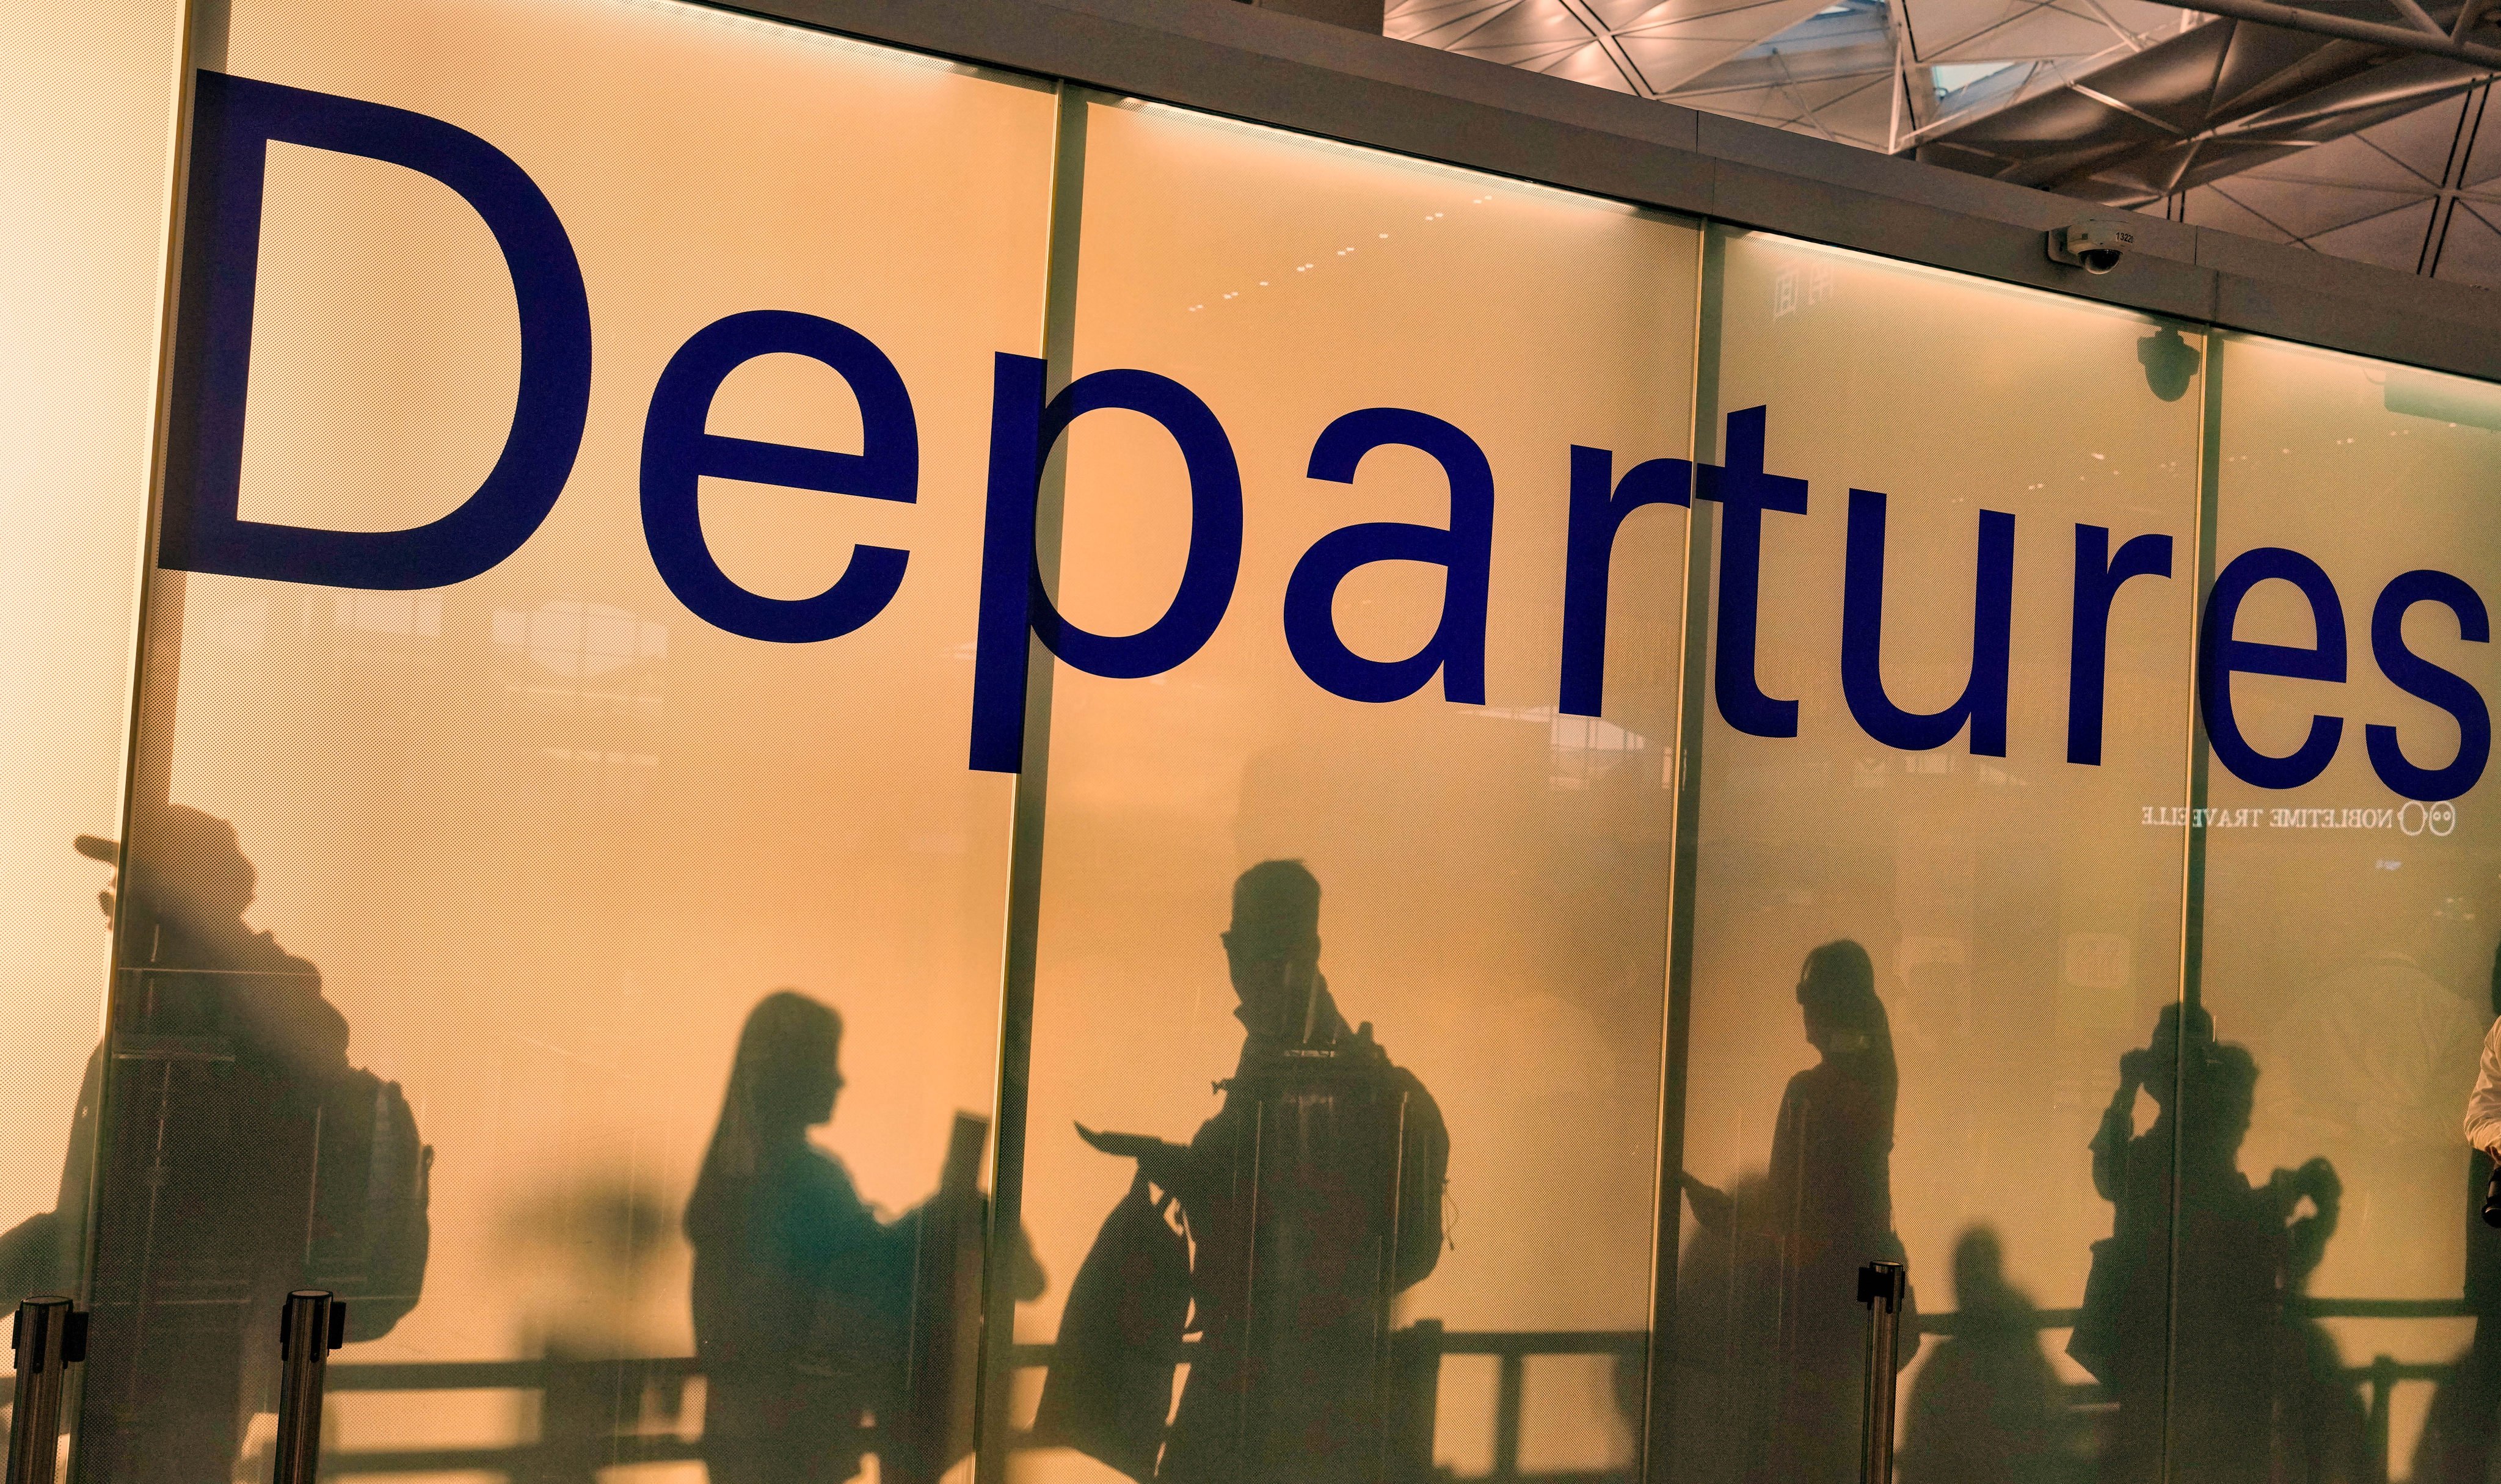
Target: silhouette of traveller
{"type": "Point", "coordinates": [2238, 1354]}
{"type": "Point", "coordinates": [229, 1170]}
{"type": "Point", "coordinates": [1827, 1210]}
{"type": "Point", "coordinates": [1726, 1327]}
{"type": "Point", "coordinates": [1987, 1407]}
{"type": "Point", "coordinates": [803, 1298]}
{"type": "Point", "coordinates": [1312, 1198]}
{"type": "Point", "coordinates": [2464, 1413]}
{"type": "Point", "coordinates": [590, 1248]}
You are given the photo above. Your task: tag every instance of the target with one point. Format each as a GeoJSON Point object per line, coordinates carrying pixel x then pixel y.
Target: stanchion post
{"type": "Point", "coordinates": [1881, 1287]}
{"type": "Point", "coordinates": [315, 1323]}
{"type": "Point", "coordinates": [49, 1336]}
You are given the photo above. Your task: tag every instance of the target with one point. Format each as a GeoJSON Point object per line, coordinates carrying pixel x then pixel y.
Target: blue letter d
{"type": "Point", "coordinates": [233, 121]}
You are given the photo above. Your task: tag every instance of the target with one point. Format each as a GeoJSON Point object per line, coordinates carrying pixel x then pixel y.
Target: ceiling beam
{"type": "Point", "coordinates": [2420, 19]}
{"type": "Point", "coordinates": [2396, 38]}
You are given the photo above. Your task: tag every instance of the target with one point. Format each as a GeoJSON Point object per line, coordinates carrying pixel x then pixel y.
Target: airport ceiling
{"type": "Point", "coordinates": [2381, 150]}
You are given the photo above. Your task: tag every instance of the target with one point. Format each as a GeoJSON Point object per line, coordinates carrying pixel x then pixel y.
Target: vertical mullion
{"type": "Point", "coordinates": [992, 1427]}
{"type": "Point", "coordinates": [155, 641]}
{"type": "Point", "coordinates": [1658, 1441]}
{"type": "Point", "coordinates": [2192, 899]}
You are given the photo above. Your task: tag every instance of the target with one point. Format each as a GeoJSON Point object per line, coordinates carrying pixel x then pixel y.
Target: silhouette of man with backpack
{"type": "Point", "coordinates": [229, 1153]}
{"type": "Point", "coordinates": [1312, 1199]}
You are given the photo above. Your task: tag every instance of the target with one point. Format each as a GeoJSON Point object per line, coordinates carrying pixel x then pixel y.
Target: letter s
{"type": "Point", "coordinates": [2419, 677]}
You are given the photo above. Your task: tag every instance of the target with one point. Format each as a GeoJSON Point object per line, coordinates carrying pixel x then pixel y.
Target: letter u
{"type": "Point", "coordinates": [1982, 702]}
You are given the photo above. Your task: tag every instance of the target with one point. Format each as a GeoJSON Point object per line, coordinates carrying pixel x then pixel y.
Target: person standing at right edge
{"type": "Point", "coordinates": [2464, 1414]}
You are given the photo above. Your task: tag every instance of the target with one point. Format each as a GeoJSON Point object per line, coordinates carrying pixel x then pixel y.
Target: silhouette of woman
{"type": "Point", "coordinates": [1826, 1208]}
{"type": "Point", "coordinates": [1831, 1196]}
{"type": "Point", "coordinates": [801, 1296]}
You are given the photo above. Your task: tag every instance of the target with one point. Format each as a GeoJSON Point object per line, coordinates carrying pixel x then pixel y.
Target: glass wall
{"type": "Point", "coordinates": [2349, 903]}
{"type": "Point", "coordinates": [1458, 786]}
{"type": "Point", "coordinates": [557, 974]}
{"type": "Point", "coordinates": [1356, 822]}
{"type": "Point", "coordinates": [1939, 879]}
{"type": "Point", "coordinates": [87, 141]}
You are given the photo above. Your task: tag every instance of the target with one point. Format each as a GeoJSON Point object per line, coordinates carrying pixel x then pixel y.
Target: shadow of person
{"type": "Point", "coordinates": [1827, 1210]}
{"type": "Point", "coordinates": [1726, 1287]}
{"type": "Point", "coordinates": [1311, 1198]}
{"type": "Point", "coordinates": [2456, 1442]}
{"type": "Point", "coordinates": [806, 1308]}
{"type": "Point", "coordinates": [2203, 1362]}
{"type": "Point", "coordinates": [585, 1252]}
{"type": "Point", "coordinates": [230, 1091]}
{"type": "Point", "coordinates": [1987, 1407]}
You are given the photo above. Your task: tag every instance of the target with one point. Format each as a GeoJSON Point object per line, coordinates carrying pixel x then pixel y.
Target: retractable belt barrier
{"type": "Point", "coordinates": [1880, 1286]}
{"type": "Point", "coordinates": [315, 1323]}
{"type": "Point", "coordinates": [49, 1336]}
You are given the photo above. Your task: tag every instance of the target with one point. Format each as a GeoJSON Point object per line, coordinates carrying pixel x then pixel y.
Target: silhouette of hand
{"type": "Point", "coordinates": [1162, 1161]}
{"type": "Point", "coordinates": [1712, 1205]}
{"type": "Point", "coordinates": [2320, 1182]}
{"type": "Point", "coordinates": [2134, 1068]}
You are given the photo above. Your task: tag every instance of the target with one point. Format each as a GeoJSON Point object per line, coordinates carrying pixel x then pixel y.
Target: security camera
{"type": "Point", "coordinates": [2094, 244]}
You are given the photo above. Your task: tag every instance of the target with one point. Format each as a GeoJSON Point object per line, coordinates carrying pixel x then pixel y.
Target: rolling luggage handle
{"type": "Point", "coordinates": [49, 1335]}
{"type": "Point", "coordinates": [1880, 1286]}
{"type": "Point", "coordinates": [315, 1323]}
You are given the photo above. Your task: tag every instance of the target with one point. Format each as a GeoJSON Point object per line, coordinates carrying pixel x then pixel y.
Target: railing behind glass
{"type": "Point", "coordinates": [658, 1435]}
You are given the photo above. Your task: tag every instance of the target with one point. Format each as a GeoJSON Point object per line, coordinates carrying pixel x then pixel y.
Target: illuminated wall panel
{"type": "Point", "coordinates": [2009, 873]}
{"type": "Point", "coordinates": [1493, 870]}
{"type": "Point", "coordinates": [86, 141]}
{"type": "Point", "coordinates": [547, 836]}
{"type": "Point", "coordinates": [2350, 916]}
{"type": "Point", "coordinates": [728, 606]}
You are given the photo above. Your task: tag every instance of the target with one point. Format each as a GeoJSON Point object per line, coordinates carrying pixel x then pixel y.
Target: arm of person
{"type": "Point", "coordinates": [1163, 1162]}
{"type": "Point", "coordinates": [2118, 1127]}
{"type": "Point", "coordinates": [1712, 1205]}
{"type": "Point", "coordinates": [2483, 1104]}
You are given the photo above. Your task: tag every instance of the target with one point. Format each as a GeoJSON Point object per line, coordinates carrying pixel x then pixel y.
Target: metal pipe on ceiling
{"type": "Point", "coordinates": [2375, 33]}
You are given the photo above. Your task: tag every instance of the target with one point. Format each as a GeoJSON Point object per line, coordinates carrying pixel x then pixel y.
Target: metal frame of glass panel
{"type": "Point", "coordinates": [1251, 65]}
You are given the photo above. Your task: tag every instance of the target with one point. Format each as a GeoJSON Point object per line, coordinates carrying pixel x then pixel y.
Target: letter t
{"type": "Point", "coordinates": [1744, 493]}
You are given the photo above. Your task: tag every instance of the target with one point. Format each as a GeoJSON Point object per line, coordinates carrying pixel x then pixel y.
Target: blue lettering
{"type": "Point", "coordinates": [234, 119]}
{"type": "Point", "coordinates": [677, 451]}
{"type": "Point", "coordinates": [1597, 516]}
{"type": "Point", "coordinates": [1982, 702]}
{"type": "Point", "coordinates": [1464, 552]}
{"type": "Point", "coordinates": [1013, 605]}
{"type": "Point", "coordinates": [1744, 493]}
{"type": "Point", "coordinates": [2099, 577]}
{"type": "Point", "coordinates": [2419, 677]}
{"type": "Point", "coordinates": [2220, 656]}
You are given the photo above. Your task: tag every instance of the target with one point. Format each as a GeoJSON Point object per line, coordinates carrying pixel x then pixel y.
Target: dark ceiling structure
{"type": "Point", "coordinates": [2356, 128]}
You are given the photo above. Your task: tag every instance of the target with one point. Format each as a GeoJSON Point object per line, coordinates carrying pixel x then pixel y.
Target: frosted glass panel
{"type": "Point", "coordinates": [587, 966]}
{"type": "Point", "coordinates": [87, 136]}
{"type": "Point", "coordinates": [1939, 859]}
{"type": "Point", "coordinates": [2350, 913]}
{"type": "Point", "coordinates": [1295, 857]}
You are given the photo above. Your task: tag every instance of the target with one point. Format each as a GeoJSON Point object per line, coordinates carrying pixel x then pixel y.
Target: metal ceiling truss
{"type": "Point", "coordinates": [2353, 127]}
